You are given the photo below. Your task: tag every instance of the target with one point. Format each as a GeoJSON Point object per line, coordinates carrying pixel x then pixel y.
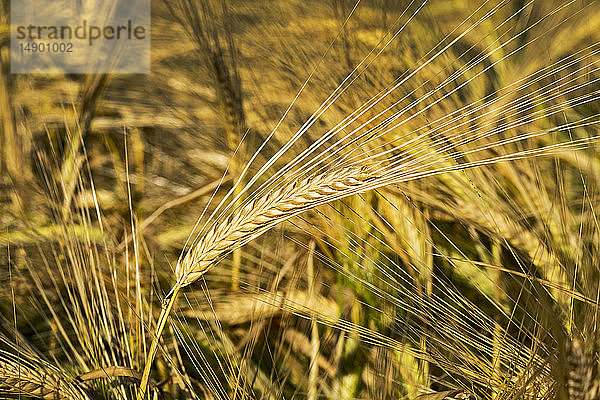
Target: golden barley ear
{"type": "Point", "coordinates": [26, 378]}
{"type": "Point", "coordinates": [260, 215]}
{"type": "Point", "coordinates": [583, 380]}
{"type": "Point", "coordinates": [248, 223]}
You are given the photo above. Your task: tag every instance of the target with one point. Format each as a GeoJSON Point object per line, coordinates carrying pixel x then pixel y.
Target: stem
{"type": "Point", "coordinates": [162, 320]}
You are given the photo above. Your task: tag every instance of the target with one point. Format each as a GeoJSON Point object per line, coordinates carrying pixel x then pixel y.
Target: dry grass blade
{"type": "Point", "coordinates": [449, 394]}
{"type": "Point", "coordinates": [114, 372]}
{"type": "Point", "coordinates": [111, 372]}
{"type": "Point", "coordinates": [260, 215]}
{"type": "Point", "coordinates": [19, 378]}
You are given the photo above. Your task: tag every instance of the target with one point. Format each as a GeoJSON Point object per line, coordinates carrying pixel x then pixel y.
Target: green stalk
{"type": "Point", "coordinates": [162, 320]}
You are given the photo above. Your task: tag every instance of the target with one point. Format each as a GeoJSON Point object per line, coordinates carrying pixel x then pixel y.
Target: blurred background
{"type": "Point", "coordinates": [483, 281]}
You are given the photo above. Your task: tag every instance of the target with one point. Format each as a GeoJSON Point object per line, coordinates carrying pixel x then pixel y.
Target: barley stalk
{"type": "Point", "coordinates": [247, 224]}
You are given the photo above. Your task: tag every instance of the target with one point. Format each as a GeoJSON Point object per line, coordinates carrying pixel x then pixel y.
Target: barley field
{"type": "Point", "coordinates": [340, 199]}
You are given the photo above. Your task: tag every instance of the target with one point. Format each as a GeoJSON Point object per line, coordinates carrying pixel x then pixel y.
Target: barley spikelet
{"type": "Point", "coordinates": [582, 372]}
{"type": "Point", "coordinates": [19, 378]}
{"type": "Point", "coordinates": [260, 215]}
